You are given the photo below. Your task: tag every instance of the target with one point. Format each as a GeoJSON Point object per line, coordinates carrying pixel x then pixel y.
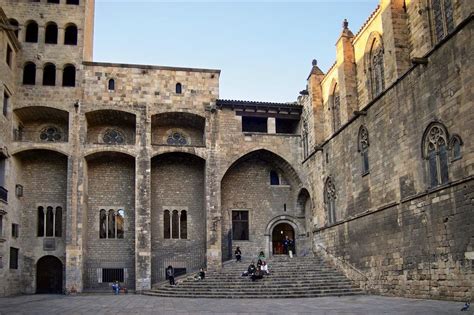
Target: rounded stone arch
{"type": "Point", "coordinates": [50, 272]}
{"type": "Point", "coordinates": [38, 147]}
{"type": "Point", "coordinates": [297, 227]}
{"type": "Point", "coordinates": [98, 152]}
{"type": "Point", "coordinates": [105, 119]}
{"type": "Point", "coordinates": [190, 129]}
{"type": "Point", "coordinates": [180, 150]}
{"type": "Point", "coordinates": [111, 109]}
{"type": "Point", "coordinates": [181, 111]}
{"type": "Point", "coordinates": [267, 155]}
{"type": "Point", "coordinates": [291, 220]}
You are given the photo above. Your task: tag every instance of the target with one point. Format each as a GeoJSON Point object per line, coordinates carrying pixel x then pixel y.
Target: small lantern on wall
{"type": "Point", "coordinates": [19, 190]}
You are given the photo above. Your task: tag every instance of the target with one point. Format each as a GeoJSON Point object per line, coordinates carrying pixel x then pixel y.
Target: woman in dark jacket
{"type": "Point", "coordinates": [238, 254]}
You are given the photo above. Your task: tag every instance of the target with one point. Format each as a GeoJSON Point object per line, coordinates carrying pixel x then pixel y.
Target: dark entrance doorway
{"type": "Point", "coordinates": [49, 275]}
{"type": "Point", "coordinates": [278, 236]}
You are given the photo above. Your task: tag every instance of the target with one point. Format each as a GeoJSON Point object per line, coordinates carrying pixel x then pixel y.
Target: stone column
{"type": "Point", "coordinates": [143, 202]}
{"type": "Point", "coordinates": [76, 179]}
{"type": "Point", "coordinates": [213, 196]}
{"type": "Point", "coordinates": [61, 33]}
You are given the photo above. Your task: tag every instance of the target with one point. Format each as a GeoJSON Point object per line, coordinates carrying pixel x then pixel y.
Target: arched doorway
{"type": "Point", "coordinates": [279, 234]}
{"type": "Point", "coordinates": [49, 275]}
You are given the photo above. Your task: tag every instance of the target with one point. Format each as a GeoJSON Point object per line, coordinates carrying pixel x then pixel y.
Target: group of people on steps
{"type": "Point", "coordinates": [254, 272]}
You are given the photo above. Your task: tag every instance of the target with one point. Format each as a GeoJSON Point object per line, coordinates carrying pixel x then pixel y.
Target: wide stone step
{"type": "Point", "coordinates": [256, 289]}
{"type": "Point", "coordinates": [259, 295]}
{"type": "Point", "coordinates": [296, 277]}
{"type": "Point", "coordinates": [276, 277]}
{"type": "Point", "coordinates": [259, 283]}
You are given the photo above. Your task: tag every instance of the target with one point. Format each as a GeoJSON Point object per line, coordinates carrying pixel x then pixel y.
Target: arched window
{"type": "Point", "coordinates": [113, 136]}
{"type": "Point", "coordinates": [176, 138]}
{"type": "Point", "coordinates": [166, 224]}
{"type": "Point", "coordinates": [111, 224]}
{"type": "Point", "coordinates": [330, 200]}
{"type": "Point", "coordinates": [53, 1]}
{"type": "Point", "coordinates": [179, 88]}
{"type": "Point", "coordinates": [50, 221]}
{"type": "Point", "coordinates": [111, 85]}
{"type": "Point", "coordinates": [103, 223]}
{"type": "Point", "coordinates": [29, 73]}
{"type": "Point", "coordinates": [183, 225]}
{"type": "Point", "coordinates": [58, 222]}
{"type": "Point", "coordinates": [40, 221]}
{"type": "Point", "coordinates": [15, 24]}
{"type": "Point", "coordinates": [51, 33]}
{"type": "Point", "coordinates": [31, 35]}
{"type": "Point", "coordinates": [175, 224]}
{"type": "Point", "coordinates": [455, 145]}
{"type": "Point", "coordinates": [274, 178]}
{"type": "Point", "coordinates": [51, 134]}
{"type": "Point", "coordinates": [442, 17]}
{"type": "Point", "coordinates": [49, 74]}
{"type": "Point", "coordinates": [304, 139]}
{"type": "Point", "coordinates": [119, 220]}
{"type": "Point", "coordinates": [375, 65]}
{"type": "Point", "coordinates": [336, 108]}
{"type": "Point", "coordinates": [69, 75]}
{"type": "Point", "coordinates": [76, 2]}
{"type": "Point", "coordinates": [70, 35]}
{"type": "Point", "coordinates": [363, 147]}
{"type": "Point", "coordinates": [435, 151]}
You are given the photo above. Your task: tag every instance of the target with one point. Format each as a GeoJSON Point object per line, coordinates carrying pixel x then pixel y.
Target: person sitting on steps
{"type": "Point", "coordinates": [200, 275]}
{"type": "Point", "coordinates": [261, 255]}
{"type": "Point", "coordinates": [250, 270]}
{"type": "Point", "coordinates": [258, 274]}
{"type": "Point", "coordinates": [265, 268]}
{"type": "Point", "coordinates": [238, 254]}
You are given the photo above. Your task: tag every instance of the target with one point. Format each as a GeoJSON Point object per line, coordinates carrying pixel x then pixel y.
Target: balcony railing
{"type": "Point", "coordinates": [3, 194]}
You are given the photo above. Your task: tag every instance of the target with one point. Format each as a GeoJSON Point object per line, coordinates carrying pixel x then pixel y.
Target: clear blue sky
{"type": "Point", "coordinates": [264, 49]}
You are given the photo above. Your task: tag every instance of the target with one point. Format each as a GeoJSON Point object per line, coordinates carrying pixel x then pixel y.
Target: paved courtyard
{"type": "Point", "coordinates": [139, 304]}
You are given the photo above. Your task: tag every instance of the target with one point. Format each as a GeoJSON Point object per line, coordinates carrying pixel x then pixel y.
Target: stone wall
{"type": "Point", "coordinates": [44, 180]}
{"type": "Point", "coordinates": [403, 234]}
{"type": "Point", "coordinates": [111, 185]}
{"type": "Point", "coordinates": [246, 186]}
{"type": "Point", "coordinates": [177, 183]}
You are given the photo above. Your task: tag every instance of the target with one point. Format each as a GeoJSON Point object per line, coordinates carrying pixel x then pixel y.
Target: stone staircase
{"type": "Point", "coordinates": [289, 278]}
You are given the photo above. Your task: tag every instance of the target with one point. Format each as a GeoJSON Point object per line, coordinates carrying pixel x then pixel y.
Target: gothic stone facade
{"type": "Point", "coordinates": [115, 171]}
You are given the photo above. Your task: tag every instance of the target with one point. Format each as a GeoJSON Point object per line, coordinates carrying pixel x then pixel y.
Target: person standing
{"type": "Point", "coordinates": [291, 247]}
{"type": "Point", "coordinates": [170, 274]}
{"type": "Point", "coordinates": [286, 244]}
{"type": "Point", "coordinates": [238, 254]}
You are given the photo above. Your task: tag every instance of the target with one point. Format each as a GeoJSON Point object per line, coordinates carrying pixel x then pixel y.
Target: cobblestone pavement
{"type": "Point", "coordinates": [140, 304]}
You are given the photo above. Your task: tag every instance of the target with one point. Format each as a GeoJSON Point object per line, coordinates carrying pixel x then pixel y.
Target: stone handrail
{"type": "Point", "coordinates": [349, 270]}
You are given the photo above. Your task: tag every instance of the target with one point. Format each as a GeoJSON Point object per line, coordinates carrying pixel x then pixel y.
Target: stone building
{"type": "Point", "coordinates": [115, 171]}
